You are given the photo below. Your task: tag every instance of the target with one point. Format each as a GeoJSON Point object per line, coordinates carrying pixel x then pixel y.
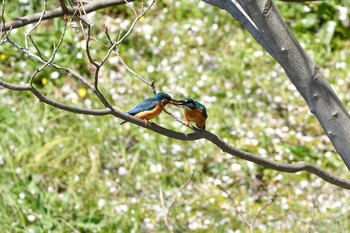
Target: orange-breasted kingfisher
{"type": "Point", "coordinates": [150, 108]}
{"type": "Point", "coordinates": [195, 112]}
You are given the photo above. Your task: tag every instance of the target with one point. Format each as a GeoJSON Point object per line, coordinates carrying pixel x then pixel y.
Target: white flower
{"type": "Point", "coordinates": [31, 218]}
{"type": "Point", "coordinates": [101, 203]}
{"type": "Point", "coordinates": [122, 171]}
{"type": "Point", "coordinates": [22, 195]}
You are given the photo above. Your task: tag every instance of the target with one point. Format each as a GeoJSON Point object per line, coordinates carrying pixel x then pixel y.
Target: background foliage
{"type": "Point", "coordinates": [62, 172]}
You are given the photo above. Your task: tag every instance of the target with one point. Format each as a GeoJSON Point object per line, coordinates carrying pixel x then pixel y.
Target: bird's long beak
{"type": "Point", "coordinates": [176, 102]}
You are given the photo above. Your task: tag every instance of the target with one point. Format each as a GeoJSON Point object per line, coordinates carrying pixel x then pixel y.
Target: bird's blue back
{"type": "Point", "coordinates": [201, 106]}
{"type": "Point", "coordinates": [144, 105]}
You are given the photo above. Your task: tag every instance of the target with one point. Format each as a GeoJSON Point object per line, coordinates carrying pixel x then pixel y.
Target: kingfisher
{"type": "Point", "coordinates": [195, 112]}
{"type": "Point", "coordinates": [150, 108]}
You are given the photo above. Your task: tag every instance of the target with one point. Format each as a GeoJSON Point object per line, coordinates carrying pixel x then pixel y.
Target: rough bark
{"type": "Point", "coordinates": [273, 34]}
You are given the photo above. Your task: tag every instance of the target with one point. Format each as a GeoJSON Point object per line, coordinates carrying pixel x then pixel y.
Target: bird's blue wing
{"type": "Point", "coordinates": [144, 105]}
{"type": "Point", "coordinates": [201, 106]}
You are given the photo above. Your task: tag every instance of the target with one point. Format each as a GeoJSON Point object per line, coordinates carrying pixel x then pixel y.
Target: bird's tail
{"type": "Point", "coordinates": [201, 127]}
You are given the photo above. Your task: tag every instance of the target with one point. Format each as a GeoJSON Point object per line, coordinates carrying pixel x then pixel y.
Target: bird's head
{"type": "Point", "coordinates": [164, 98]}
{"type": "Point", "coordinates": [187, 103]}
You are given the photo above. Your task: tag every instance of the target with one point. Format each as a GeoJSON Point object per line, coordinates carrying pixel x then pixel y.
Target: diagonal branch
{"type": "Point", "coordinates": [27, 34]}
{"type": "Point", "coordinates": [149, 83]}
{"type": "Point", "coordinates": [220, 143]}
{"type": "Point", "coordinates": [234, 8]}
{"type": "Point", "coordinates": [269, 202]}
{"type": "Point", "coordinates": [279, 41]}
{"type": "Point", "coordinates": [53, 53]}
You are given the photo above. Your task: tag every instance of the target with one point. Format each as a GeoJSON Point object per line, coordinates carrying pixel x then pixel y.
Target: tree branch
{"type": "Point", "coordinates": [109, 110]}
{"type": "Point", "coordinates": [279, 41]}
{"type": "Point", "coordinates": [269, 202]}
{"type": "Point", "coordinates": [59, 12]}
{"type": "Point", "coordinates": [234, 8]}
{"type": "Point", "coordinates": [289, 168]}
{"type": "Point", "coordinates": [239, 213]}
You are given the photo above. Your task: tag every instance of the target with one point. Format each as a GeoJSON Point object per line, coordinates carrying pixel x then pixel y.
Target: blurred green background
{"type": "Point", "coordinates": [63, 172]}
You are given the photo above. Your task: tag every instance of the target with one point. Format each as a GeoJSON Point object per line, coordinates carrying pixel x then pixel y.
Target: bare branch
{"type": "Point", "coordinates": [304, 74]}
{"type": "Point", "coordinates": [67, 70]}
{"type": "Point", "coordinates": [35, 25]}
{"type": "Point", "coordinates": [289, 168]}
{"type": "Point", "coordinates": [163, 206]}
{"type": "Point", "coordinates": [120, 40]}
{"type": "Point", "coordinates": [58, 12]}
{"type": "Point", "coordinates": [109, 110]}
{"type": "Point", "coordinates": [63, 7]}
{"type": "Point", "coordinates": [235, 9]}
{"type": "Point", "coordinates": [52, 56]}
{"type": "Point", "coordinates": [339, 226]}
{"type": "Point", "coordinates": [238, 212]}
{"type": "Point", "coordinates": [2, 28]}
{"type": "Point", "coordinates": [276, 38]}
{"type": "Point", "coordinates": [44, 99]}
{"type": "Point", "coordinates": [151, 84]}
{"type": "Point", "coordinates": [269, 202]}
{"type": "Point", "coordinates": [35, 46]}
{"type": "Point", "coordinates": [112, 48]}
{"type": "Point", "coordinates": [2, 25]}
{"type": "Point", "coordinates": [173, 200]}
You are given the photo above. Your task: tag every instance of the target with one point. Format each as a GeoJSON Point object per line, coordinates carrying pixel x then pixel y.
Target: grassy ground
{"type": "Point", "coordinates": [61, 172]}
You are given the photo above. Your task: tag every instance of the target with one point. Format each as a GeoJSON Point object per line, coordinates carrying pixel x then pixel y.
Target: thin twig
{"type": "Point", "coordinates": [112, 48]}
{"type": "Point", "coordinates": [339, 226]}
{"type": "Point", "coordinates": [63, 6]}
{"type": "Point", "coordinates": [313, 215]}
{"type": "Point", "coordinates": [67, 70]}
{"type": "Point", "coordinates": [35, 46]}
{"type": "Point", "coordinates": [149, 83]}
{"type": "Point", "coordinates": [97, 66]}
{"type": "Point", "coordinates": [269, 202]}
{"type": "Point", "coordinates": [173, 200]}
{"type": "Point", "coordinates": [35, 25]}
{"type": "Point", "coordinates": [52, 56]}
{"type": "Point", "coordinates": [115, 44]}
{"type": "Point", "coordinates": [238, 212]}
{"type": "Point", "coordinates": [161, 197]}
{"type": "Point", "coordinates": [2, 29]}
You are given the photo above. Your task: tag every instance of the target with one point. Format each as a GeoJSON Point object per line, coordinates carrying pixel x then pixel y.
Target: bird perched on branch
{"type": "Point", "coordinates": [195, 112]}
{"type": "Point", "coordinates": [150, 108]}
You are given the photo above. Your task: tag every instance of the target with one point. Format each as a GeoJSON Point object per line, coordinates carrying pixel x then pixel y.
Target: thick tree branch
{"type": "Point", "coordinates": [279, 41]}
{"type": "Point", "coordinates": [238, 13]}
{"type": "Point", "coordinates": [59, 12]}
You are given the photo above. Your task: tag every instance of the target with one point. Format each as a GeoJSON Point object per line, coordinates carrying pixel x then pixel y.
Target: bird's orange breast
{"type": "Point", "coordinates": [150, 114]}
{"type": "Point", "coordinates": [196, 116]}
